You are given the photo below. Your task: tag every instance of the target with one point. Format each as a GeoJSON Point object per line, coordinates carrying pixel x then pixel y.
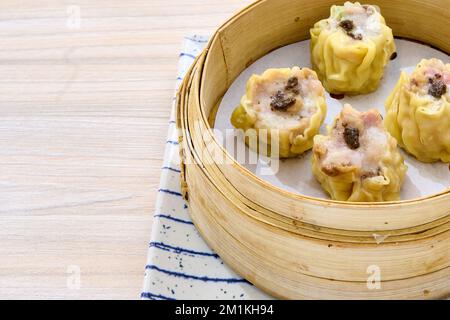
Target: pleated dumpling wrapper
{"type": "Point", "coordinates": [418, 111]}
{"type": "Point", "coordinates": [358, 160]}
{"type": "Point", "coordinates": [284, 109]}
{"type": "Point", "coordinates": [350, 49]}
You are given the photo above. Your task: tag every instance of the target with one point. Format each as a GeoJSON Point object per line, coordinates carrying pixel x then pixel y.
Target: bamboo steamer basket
{"type": "Point", "coordinates": [290, 245]}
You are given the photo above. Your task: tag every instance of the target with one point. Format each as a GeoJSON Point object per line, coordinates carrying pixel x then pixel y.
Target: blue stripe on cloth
{"type": "Point", "coordinates": [184, 54]}
{"type": "Point", "coordinates": [207, 273]}
{"type": "Point", "coordinates": [170, 192]}
{"type": "Point", "coordinates": [196, 40]}
{"type": "Point", "coordinates": [169, 248]}
{"type": "Point", "coordinates": [171, 169]}
{"type": "Point", "coordinates": [194, 277]}
{"type": "Point", "coordinates": [153, 296]}
{"type": "Point", "coordinates": [172, 218]}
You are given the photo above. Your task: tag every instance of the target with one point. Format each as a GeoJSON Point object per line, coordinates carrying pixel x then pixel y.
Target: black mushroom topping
{"type": "Point", "coordinates": [355, 36]}
{"type": "Point", "coordinates": [281, 101]}
{"type": "Point", "coordinates": [292, 83]}
{"type": "Point", "coordinates": [351, 137]}
{"type": "Point", "coordinates": [437, 86]}
{"type": "Point", "coordinates": [348, 26]}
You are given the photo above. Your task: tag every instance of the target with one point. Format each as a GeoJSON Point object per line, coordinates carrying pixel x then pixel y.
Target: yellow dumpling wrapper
{"type": "Point", "coordinates": [282, 106]}
{"type": "Point", "coordinates": [418, 111]}
{"type": "Point", "coordinates": [358, 160]}
{"type": "Point", "coordinates": [350, 49]}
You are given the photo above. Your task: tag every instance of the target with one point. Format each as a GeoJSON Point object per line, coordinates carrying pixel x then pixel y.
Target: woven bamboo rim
{"type": "Point", "coordinates": [311, 241]}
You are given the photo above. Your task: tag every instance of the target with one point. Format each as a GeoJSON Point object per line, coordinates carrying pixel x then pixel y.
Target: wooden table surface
{"type": "Point", "coordinates": [85, 95]}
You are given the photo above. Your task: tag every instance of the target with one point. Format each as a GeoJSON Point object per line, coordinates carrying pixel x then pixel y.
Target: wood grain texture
{"type": "Point", "coordinates": [83, 122]}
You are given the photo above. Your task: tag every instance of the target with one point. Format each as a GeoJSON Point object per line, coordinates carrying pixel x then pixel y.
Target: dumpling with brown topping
{"type": "Point", "coordinates": [418, 111]}
{"type": "Point", "coordinates": [350, 49]}
{"type": "Point", "coordinates": [285, 103]}
{"type": "Point", "coordinates": [358, 160]}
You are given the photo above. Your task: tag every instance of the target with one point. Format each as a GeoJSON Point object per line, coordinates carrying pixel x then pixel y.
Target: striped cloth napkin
{"type": "Point", "coordinates": [180, 265]}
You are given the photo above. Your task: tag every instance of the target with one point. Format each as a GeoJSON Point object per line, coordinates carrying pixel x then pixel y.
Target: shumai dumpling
{"type": "Point", "coordinates": [287, 102]}
{"type": "Point", "coordinates": [358, 160]}
{"type": "Point", "coordinates": [418, 111]}
{"type": "Point", "coordinates": [350, 49]}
